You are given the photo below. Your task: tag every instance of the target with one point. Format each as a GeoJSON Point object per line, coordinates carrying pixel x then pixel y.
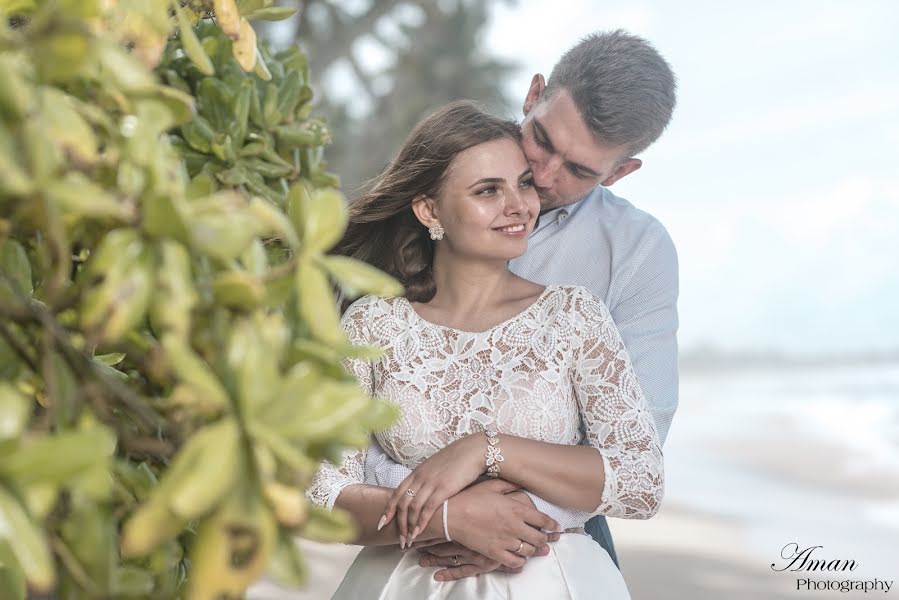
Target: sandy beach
{"type": "Point", "coordinates": [755, 461]}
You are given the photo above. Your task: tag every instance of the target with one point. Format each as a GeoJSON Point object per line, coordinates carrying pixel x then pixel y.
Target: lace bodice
{"type": "Point", "coordinates": [556, 372]}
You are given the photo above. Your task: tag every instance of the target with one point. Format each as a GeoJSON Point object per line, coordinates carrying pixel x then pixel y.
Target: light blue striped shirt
{"type": "Point", "coordinates": [627, 259]}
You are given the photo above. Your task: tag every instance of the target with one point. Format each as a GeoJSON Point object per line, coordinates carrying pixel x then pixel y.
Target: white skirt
{"type": "Point", "coordinates": [576, 568]}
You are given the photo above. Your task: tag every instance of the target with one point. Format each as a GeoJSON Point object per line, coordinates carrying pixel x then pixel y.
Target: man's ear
{"type": "Point", "coordinates": [626, 168]}
{"type": "Point", "coordinates": [425, 210]}
{"type": "Point", "coordinates": [537, 86]}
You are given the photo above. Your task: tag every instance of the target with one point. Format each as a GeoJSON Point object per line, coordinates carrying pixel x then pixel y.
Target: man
{"type": "Point", "coordinates": [608, 99]}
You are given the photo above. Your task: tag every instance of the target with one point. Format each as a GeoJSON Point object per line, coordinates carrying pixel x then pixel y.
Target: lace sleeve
{"type": "Point", "coordinates": [615, 415]}
{"type": "Point", "coordinates": [330, 479]}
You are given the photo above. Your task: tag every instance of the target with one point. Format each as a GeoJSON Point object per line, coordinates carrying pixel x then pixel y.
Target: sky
{"type": "Point", "coordinates": [776, 178]}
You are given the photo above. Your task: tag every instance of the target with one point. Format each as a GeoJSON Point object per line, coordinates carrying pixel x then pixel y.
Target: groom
{"type": "Point", "coordinates": [607, 100]}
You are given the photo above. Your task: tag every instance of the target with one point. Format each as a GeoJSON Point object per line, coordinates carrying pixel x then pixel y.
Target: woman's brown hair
{"type": "Point", "coordinates": [383, 230]}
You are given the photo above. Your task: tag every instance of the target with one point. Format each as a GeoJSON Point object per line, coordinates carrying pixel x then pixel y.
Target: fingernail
{"type": "Point", "coordinates": [415, 533]}
{"type": "Point", "coordinates": [382, 522]}
{"type": "Point", "coordinates": [402, 542]}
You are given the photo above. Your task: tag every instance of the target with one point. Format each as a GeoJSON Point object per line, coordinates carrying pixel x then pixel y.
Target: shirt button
{"type": "Point", "coordinates": [562, 216]}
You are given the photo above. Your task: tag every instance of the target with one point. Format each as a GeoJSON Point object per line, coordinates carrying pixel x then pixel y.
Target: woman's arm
{"type": "Point", "coordinates": [623, 477]}
{"type": "Point", "coordinates": [571, 476]}
{"type": "Point", "coordinates": [382, 470]}
{"type": "Point", "coordinates": [619, 475]}
{"type": "Point", "coordinates": [366, 504]}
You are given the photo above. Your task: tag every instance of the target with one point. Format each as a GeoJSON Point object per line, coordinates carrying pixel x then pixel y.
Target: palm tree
{"type": "Point", "coordinates": [436, 56]}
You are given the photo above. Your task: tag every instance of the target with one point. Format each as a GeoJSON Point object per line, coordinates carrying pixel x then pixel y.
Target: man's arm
{"type": "Point", "coordinates": [646, 316]}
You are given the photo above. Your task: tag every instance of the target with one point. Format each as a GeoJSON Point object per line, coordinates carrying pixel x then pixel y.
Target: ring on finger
{"type": "Point", "coordinates": [410, 492]}
{"type": "Point", "coordinates": [520, 546]}
{"type": "Point", "coordinates": [456, 561]}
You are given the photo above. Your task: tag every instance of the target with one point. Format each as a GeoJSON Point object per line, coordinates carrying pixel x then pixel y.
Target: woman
{"type": "Point", "coordinates": [495, 376]}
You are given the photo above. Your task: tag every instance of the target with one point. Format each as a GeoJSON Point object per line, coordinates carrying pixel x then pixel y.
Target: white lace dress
{"type": "Point", "coordinates": [556, 372]}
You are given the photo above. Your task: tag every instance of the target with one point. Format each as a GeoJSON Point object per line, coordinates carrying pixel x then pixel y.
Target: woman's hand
{"type": "Point", "coordinates": [442, 476]}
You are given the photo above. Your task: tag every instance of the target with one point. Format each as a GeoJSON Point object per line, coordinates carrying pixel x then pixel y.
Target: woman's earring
{"type": "Point", "coordinates": [436, 232]}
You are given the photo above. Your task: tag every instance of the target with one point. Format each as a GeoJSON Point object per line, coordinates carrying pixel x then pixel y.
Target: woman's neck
{"type": "Point", "coordinates": [469, 286]}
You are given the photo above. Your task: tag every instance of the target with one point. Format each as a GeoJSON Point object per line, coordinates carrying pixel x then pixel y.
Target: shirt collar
{"type": "Point", "coordinates": [563, 212]}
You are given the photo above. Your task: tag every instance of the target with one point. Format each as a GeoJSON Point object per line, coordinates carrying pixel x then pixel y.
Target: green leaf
{"type": "Point", "coordinates": [239, 290]}
{"type": "Point", "coordinates": [18, 6]}
{"type": "Point", "coordinates": [283, 450]}
{"type": "Point", "coordinates": [251, 361]}
{"type": "Point", "coordinates": [27, 543]}
{"type": "Point", "coordinates": [324, 216]}
{"type": "Point", "coordinates": [329, 526]}
{"type": "Point", "coordinates": [64, 392]}
{"type": "Point", "coordinates": [357, 278]}
{"type": "Point", "coordinates": [66, 127]}
{"type": "Point", "coordinates": [89, 532]}
{"type": "Point", "coordinates": [133, 582]}
{"type": "Point", "coordinates": [111, 359]}
{"type": "Point", "coordinates": [287, 566]}
{"type": "Point", "coordinates": [191, 44]}
{"type": "Point", "coordinates": [274, 221]}
{"type": "Point", "coordinates": [325, 411]}
{"type": "Point", "coordinates": [317, 305]}
{"type": "Point", "coordinates": [124, 70]}
{"type": "Point", "coordinates": [193, 370]}
{"type": "Point", "coordinates": [15, 94]}
{"type": "Point", "coordinates": [15, 409]}
{"type": "Point", "coordinates": [272, 13]}
{"type": "Point", "coordinates": [179, 103]}
{"type": "Point", "coordinates": [60, 57]}
{"type": "Point", "coordinates": [58, 458]}
{"type": "Point", "coordinates": [211, 473]}
{"type": "Point", "coordinates": [14, 264]}
{"type": "Point", "coordinates": [79, 197]}
{"type": "Point", "coordinates": [12, 580]}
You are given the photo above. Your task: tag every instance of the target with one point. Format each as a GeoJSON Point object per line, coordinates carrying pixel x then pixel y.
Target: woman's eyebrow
{"type": "Point", "coordinates": [487, 180]}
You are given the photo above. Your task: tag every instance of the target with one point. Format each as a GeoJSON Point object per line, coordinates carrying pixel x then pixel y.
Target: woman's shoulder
{"type": "Point", "coordinates": [370, 306]}
{"type": "Point", "coordinates": [575, 292]}
{"type": "Point", "coordinates": [581, 303]}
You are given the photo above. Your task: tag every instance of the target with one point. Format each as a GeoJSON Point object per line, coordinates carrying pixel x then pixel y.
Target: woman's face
{"type": "Point", "coordinates": [488, 189]}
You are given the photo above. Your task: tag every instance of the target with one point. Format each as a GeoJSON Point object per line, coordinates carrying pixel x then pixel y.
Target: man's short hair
{"type": "Point", "coordinates": [621, 85]}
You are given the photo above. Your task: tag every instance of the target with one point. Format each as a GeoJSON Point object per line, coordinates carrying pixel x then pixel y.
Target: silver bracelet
{"type": "Point", "coordinates": [445, 528]}
{"type": "Point", "coordinates": [494, 454]}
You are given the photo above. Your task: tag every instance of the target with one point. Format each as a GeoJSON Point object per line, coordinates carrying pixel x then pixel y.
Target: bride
{"type": "Point", "coordinates": [498, 378]}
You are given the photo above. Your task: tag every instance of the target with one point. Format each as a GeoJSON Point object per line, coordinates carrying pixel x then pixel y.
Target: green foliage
{"type": "Point", "coordinates": [170, 351]}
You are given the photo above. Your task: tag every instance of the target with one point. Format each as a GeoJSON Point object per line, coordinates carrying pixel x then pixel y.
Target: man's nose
{"type": "Point", "coordinates": [545, 172]}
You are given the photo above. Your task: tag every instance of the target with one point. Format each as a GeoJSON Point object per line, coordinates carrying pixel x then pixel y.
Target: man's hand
{"type": "Point", "coordinates": [465, 562]}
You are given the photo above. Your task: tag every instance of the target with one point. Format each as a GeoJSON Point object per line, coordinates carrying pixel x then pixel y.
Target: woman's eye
{"type": "Point", "coordinates": [526, 183]}
{"type": "Point", "coordinates": [487, 191]}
